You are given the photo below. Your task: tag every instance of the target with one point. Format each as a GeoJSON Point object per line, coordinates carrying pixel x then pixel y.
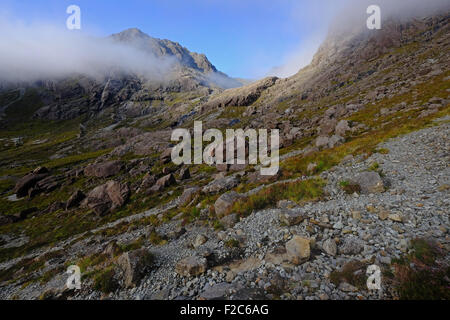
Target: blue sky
{"type": "Point", "coordinates": [243, 38]}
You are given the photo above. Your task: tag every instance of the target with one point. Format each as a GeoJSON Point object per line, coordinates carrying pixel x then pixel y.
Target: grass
{"type": "Point", "coordinates": [232, 243]}
{"type": "Point", "coordinates": [354, 273]}
{"type": "Point", "coordinates": [349, 187]}
{"type": "Point", "coordinates": [382, 128]}
{"type": "Point", "coordinates": [104, 281]}
{"type": "Point", "coordinates": [268, 197]}
{"type": "Point", "coordinates": [423, 274]}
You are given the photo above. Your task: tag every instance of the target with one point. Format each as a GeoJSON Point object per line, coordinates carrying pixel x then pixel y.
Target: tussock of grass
{"type": "Point", "coordinates": [268, 197]}
{"type": "Point", "coordinates": [423, 274]}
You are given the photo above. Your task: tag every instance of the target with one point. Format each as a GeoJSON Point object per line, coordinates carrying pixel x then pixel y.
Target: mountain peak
{"type": "Point", "coordinates": [131, 33]}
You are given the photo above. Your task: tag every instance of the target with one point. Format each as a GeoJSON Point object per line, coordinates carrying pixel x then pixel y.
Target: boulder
{"type": "Point", "coordinates": [221, 184]}
{"type": "Point", "coordinates": [342, 127]}
{"type": "Point", "coordinates": [118, 193]}
{"type": "Point", "coordinates": [191, 266]}
{"type": "Point", "coordinates": [188, 195]}
{"type": "Point", "coordinates": [104, 169]}
{"type": "Point", "coordinates": [370, 182]}
{"type": "Point", "coordinates": [225, 202]}
{"type": "Point", "coordinates": [216, 292]}
{"type": "Point", "coordinates": [298, 249]}
{"type": "Point", "coordinates": [335, 140]}
{"type": "Point", "coordinates": [166, 156]}
{"type": "Point", "coordinates": [75, 199]}
{"type": "Point", "coordinates": [133, 265]}
{"type": "Point", "coordinates": [230, 220]}
{"type": "Point", "coordinates": [290, 217]}
{"type": "Point", "coordinates": [184, 174]}
{"type": "Point", "coordinates": [27, 182]}
{"type": "Point", "coordinates": [106, 197]}
{"type": "Point", "coordinates": [322, 142]}
{"type": "Point", "coordinates": [351, 246]}
{"type": "Point", "coordinates": [148, 181]}
{"type": "Point", "coordinates": [200, 240]}
{"type": "Point", "coordinates": [166, 181]}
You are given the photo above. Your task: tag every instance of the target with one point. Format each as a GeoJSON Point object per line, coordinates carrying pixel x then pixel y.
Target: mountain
{"type": "Point", "coordinates": [363, 178]}
{"type": "Point", "coordinates": [178, 73]}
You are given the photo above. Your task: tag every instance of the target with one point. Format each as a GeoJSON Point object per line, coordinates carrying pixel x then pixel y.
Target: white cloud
{"type": "Point", "coordinates": [40, 51]}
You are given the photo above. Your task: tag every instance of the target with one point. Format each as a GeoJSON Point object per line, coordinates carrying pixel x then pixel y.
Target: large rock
{"type": "Point", "coordinates": [188, 195]}
{"type": "Point", "coordinates": [166, 181]}
{"type": "Point", "coordinates": [225, 202]}
{"type": "Point", "coordinates": [230, 220]}
{"type": "Point", "coordinates": [26, 183]}
{"type": "Point", "coordinates": [370, 182]}
{"type": "Point", "coordinates": [322, 142]}
{"type": "Point", "coordinates": [184, 174]}
{"type": "Point", "coordinates": [166, 156]}
{"type": "Point", "coordinates": [191, 266]}
{"type": "Point", "coordinates": [342, 127]}
{"type": "Point", "coordinates": [107, 197]}
{"type": "Point", "coordinates": [290, 217]}
{"type": "Point", "coordinates": [117, 192]}
{"type": "Point", "coordinates": [104, 169]}
{"type": "Point", "coordinates": [75, 199]}
{"type": "Point", "coordinates": [352, 246]}
{"type": "Point", "coordinates": [134, 265]}
{"type": "Point", "coordinates": [216, 292]}
{"type": "Point", "coordinates": [298, 249]}
{"type": "Point", "coordinates": [221, 184]}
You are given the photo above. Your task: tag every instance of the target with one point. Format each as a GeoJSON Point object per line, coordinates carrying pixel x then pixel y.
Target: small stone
{"type": "Point", "coordinates": [329, 246]}
{"type": "Point", "coordinates": [199, 240]}
{"type": "Point", "coordinates": [383, 214]}
{"type": "Point", "coordinates": [356, 215]}
{"type": "Point", "coordinates": [395, 217]}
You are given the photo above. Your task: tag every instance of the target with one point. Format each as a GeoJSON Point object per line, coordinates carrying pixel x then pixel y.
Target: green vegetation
{"type": "Point", "coordinates": [353, 273]}
{"type": "Point", "coordinates": [232, 243]}
{"type": "Point", "coordinates": [104, 281]}
{"type": "Point", "coordinates": [423, 274]}
{"type": "Point", "coordinates": [349, 187]}
{"type": "Point", "coordinates": [268, 197]}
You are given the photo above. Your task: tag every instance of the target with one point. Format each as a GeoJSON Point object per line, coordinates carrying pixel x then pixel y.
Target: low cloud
{"type": "Point", "coordinates": [348, 17]}
{"type": "Point", "coordinates": [34, 52]}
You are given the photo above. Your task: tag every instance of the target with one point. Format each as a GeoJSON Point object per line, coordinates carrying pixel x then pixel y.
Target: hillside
{"type": "Point", "coordinates": [86, 178]}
